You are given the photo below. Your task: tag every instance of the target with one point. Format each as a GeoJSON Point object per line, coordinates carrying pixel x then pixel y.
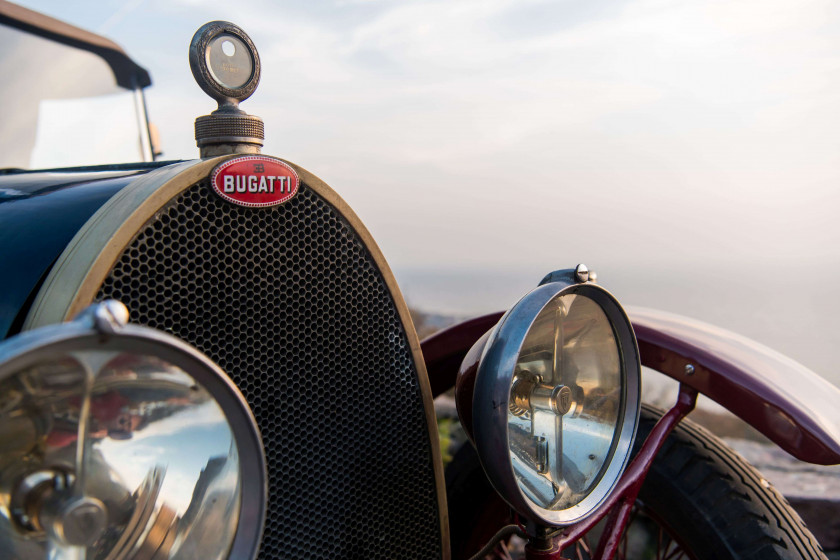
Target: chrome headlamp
{"type": "Point", "coordinates": [556, 400]}
{"type": "Point", "coordinates": [119, 441]}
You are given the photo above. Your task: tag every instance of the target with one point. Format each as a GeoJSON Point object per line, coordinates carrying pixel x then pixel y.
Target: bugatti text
{"type": "Point", "coordinates": [257, 183]}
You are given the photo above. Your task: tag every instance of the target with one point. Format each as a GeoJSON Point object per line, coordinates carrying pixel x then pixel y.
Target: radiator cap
{"type": "Point", "coordinates": [226, 65]}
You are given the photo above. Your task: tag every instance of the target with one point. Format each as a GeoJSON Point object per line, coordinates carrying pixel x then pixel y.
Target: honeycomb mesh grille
{"type": "Point", "coordinates": [289, 303]}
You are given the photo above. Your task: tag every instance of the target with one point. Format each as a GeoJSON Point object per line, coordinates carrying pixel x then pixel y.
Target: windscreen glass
{"type": "Point", "coordinates": [61, 107]}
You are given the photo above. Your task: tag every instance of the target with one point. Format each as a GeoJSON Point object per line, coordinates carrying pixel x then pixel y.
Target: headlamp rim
{"type": "Point", "coordinates": [30, 347]}
{"type": "Point", "coordinates": [492, 394]}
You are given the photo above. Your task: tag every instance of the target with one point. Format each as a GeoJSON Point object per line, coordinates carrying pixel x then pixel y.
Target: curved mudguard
{"type": "Point", "coordinates": [793, 406]}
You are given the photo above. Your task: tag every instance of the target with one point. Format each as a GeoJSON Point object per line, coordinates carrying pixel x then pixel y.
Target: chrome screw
{"type": "Point", "coordinates": [80, 521]}
{"type": "Point", "coordinates": [109, 316]}
{"type": "Point", "coordinates": [689, 369]}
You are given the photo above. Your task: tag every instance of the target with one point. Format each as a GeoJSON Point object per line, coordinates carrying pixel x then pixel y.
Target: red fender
{"type": "Point", "coordinates": [445, 350]}
{"type": "Point", "coordinates": [791, 405]}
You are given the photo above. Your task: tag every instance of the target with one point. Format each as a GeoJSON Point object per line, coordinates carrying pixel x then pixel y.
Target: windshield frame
{"type": "Point", "coordinates": [128, 74]}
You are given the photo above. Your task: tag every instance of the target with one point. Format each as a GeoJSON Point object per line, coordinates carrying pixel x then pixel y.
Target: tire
{"type": "Point", "coordinates": [716, 504]}
{"type": "Point", "coordinates": [700, 501]}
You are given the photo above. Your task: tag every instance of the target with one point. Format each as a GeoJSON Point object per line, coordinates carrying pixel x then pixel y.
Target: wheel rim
{"type": "Point", "coordinates": [647, 537]}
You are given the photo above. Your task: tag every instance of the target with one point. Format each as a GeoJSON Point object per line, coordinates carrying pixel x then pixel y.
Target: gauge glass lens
{"type": "Point", "coordinates": [229, 61]}
{"type": "Point", "coordinates": [566, 399]}
{"type": "Point", "coordinates": [147, 449]}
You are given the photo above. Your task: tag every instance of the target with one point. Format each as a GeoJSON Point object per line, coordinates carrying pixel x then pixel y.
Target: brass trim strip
{"type": "Point", "coordinates": [87, 260]}
{"type": "Point", "coordinates": [89, 257]}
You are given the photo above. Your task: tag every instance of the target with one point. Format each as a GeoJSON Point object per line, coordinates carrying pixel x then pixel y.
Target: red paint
{"type": "Point", "coordinates": [787, 402]}
{"type": "Point", "coordinates": [465, 384]}
{"type": "Point", "coordinates": [626, 491]}
{"type": "Point", "coordinates": [784, 400]}
{"type": "Point", "coordinates": [255, 181]}
{"type": "Point", "coordinates": [444, 350]}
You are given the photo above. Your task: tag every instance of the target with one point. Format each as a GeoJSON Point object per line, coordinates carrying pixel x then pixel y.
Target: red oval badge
{"type": "Point", "coordinates": [255, 181]}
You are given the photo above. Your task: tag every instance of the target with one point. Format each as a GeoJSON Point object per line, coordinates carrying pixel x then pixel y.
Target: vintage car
{"type": "Point", "coordinates": [211, 359]}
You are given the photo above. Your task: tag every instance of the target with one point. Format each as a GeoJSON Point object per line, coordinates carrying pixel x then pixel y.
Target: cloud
{"type": "Point", "coordinates": [639, 117]}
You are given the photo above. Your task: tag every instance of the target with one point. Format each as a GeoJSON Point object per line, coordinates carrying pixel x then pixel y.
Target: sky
{"type": "Point", "coordinates": [689, 152]}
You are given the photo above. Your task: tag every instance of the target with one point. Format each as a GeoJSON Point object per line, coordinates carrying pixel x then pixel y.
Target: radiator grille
{"type": "Point", "coordinates": [289, 303]}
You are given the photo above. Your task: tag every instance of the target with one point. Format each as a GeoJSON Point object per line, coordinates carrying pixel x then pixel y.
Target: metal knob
{"type": "Point", "coordinates": [76, 521]}
{"type": "Point", "coordinates": [44, 502]}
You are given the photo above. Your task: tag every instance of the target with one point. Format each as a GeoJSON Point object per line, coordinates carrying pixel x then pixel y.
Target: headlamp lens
{"type": "Point", "coordinates": [229, 61]}
{"type": "Point", "coordinates": [120, 453]}
{"type": "Point", "coordinates": [566, 402]}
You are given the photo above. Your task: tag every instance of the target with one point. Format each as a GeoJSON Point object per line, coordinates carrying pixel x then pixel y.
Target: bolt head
{"type": "Point", "coordinates": [562, 399]}
{"type": "Point", "coordinates": [689, 369]}
{"type": "Point", "coordinates": [117, 310]}
{"type": "Point", "coordinates": [582, 273]}
{"type": "Point", "coordinates": [108, 316]}
{"type": "Point", "coordinates": [81, 521]}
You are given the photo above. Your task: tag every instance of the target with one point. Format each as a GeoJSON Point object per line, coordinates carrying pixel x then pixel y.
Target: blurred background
{"type": "Point", "coordinates": [688, 152]}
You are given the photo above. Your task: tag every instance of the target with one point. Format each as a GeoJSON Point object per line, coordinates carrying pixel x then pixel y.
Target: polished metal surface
{"type": "Point", "coordinates": [75, 521]}
{"type": "Point", "coordinates": [109, 316]}
{"type": "Point", "coordinates": [564, 275]}
{"type": "Point", "coordinates": [565, 361]}
{"type": "Point", "coordinates": [582, 273]}
{"type": "Point", "coordinates": [121, 442]}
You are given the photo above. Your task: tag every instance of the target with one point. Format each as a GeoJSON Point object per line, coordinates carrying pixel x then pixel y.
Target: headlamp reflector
{"type": "Point", "coordinates": [565, 400]}
{"type": "Point", "coordinates": [564, 361]}
{"type": "Point", "coordinates": [124, 444]}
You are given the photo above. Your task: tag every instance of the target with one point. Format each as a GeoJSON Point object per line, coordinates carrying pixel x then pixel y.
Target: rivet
{"type": "Point", "coordinates": [689, 369]}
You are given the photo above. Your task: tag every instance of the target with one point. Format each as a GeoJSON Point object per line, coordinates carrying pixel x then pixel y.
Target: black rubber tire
{"type": "Point", "coordinates": [715, 503]}
{"type": "Point", "coordinates": [708, 498]}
